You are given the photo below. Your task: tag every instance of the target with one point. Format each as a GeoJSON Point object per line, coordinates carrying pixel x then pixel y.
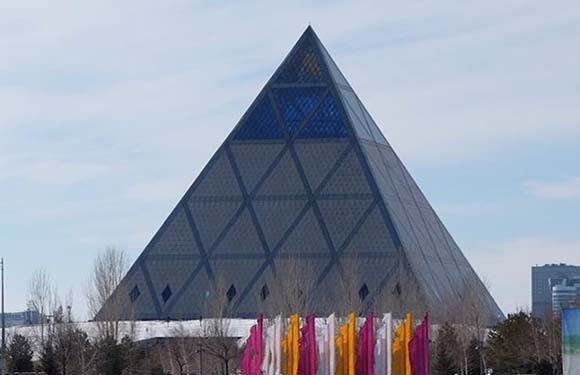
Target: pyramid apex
{"type": "Point", "coordinates": [309, 30]}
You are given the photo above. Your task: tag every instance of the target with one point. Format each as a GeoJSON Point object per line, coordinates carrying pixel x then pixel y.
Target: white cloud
{"type": "Point", "coordinates": [506, 265]}
{"type": "Point", "coordinates": [560, 189]}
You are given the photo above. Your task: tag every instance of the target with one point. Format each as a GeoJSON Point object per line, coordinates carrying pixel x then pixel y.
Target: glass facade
{"type": "Point", "coordinates": [307, 175]}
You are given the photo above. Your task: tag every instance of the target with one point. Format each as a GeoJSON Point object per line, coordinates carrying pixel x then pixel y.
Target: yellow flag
{"type": "Point", "coordinates": [401, 357]}
{"type": "Point", "coordinates": [290, 347]}
{"type": "Point", "coordinates": [339, 347]}
{"type": "Point", "coordinates": [351, 344]}
{"type": "Point", "coordinates": [345, 344]}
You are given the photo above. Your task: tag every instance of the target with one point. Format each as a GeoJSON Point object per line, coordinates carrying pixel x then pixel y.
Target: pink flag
{"type": "Point", "coordinates": [307, 359]}
{"type": "Point", "coordinates": [419, 348]}
{"type": "Point", "coordinates": [365, 355]}
{"type": "Point", "coordinates": [252, 357]}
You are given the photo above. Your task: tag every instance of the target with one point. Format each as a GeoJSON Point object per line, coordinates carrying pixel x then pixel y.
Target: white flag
{"type": "Point", "coordinates": [326, 350]}
{"type": "Point", "coordinates": [271, 364]}
{"type": "Point", "coordinates": [277, 360]}
{"type": "Point", "coordinates": [383, 347]}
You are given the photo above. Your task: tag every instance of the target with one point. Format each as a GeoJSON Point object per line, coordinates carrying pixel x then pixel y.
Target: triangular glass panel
{"type": "Point", "coordinates": [283, 180]}
{"type": "Point", "coordinates": [261, 123]}
{"type": "Point", "coordinates": [307, 237]}
{"type": "Point", "coordinates": [253, 160]}
{"type": "Point", "coordinates": [348, 178]}
{"type": "Point", "coordinates": [213, 218]}
{"type": "Point", "coordinates": [341, 216]}
{"type": "Point", "coordinates": [397, 174]}
{"type": "Point", "coordinates": [376, 133]}
{"type": "Point", "coordinates": [175, 236]}
{"type": "Point", "coordinates": [241, 238]}
{"type": "Point", "coordinates": [302, 65]}
{"type": "Point", "coordinates": [327, 121]}
{"type": "Point", "coordinates": [374, 236]}
{"type": "Point", "coordinates": [318, 158]}
{"type": "Point", "coordinates": [380, 171]}
{"type": "Point", "coordinates": [296, 104]}
{"type": "Point", "coordinates": [355, 113]}
{"type": "Point", "coordinates": [276, 217]}
{"type": "Point", "coordinates": [217, 179]}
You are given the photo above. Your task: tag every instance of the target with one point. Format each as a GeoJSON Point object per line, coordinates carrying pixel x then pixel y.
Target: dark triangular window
{"type": "Point", "coordinates": [231, 293]}
{"type": "Point", "coordinates": [363, 292]}
{"type": "Point", "coordinates": [264, 292]}
{"type": "Point", "coordinates": [397, 289]}
{"type": "Point", "coordinates": [134, 293]}
{"type": "Point", "coordinates": [166, 294]}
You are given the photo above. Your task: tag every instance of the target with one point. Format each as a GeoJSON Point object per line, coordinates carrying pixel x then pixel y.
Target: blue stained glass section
{"type": "Point", "coordinates": [303, 65]}
{"type": "Point", "coordinates": [327, 122]}
{"type": "Point", "coordinates": [261, 123]}
{"type": "Point", "coordinates": [296, 104]}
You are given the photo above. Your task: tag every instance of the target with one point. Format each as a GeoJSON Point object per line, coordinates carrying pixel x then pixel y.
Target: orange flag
{"type": "Point", "coordinates": [290, 347]}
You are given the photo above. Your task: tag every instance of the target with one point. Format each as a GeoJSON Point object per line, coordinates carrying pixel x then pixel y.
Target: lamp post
{"type": "Point", "coordinates": [200, 352]}
{"type": "Point", "coordinates": [3, 359]}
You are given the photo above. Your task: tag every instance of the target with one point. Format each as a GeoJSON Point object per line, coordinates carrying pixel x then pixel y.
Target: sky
{"type": "Point", "coordinates": [109, 110]}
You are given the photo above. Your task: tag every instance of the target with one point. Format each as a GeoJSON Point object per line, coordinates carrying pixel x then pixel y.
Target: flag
{"type": "Point", "coordinates": [341, 351]}
{"type": "Point", "coordinates": [419, 348]}
{"type": "Point", "coordinates": [290, 347]}
{"type": "Point", "coordinates": [351, 344]}
{"type": "Point", "coordinates": [271, 361]}
{"type": "Point", "coordinates": [326, 348]}
{"type": "Point", "coordinates": [570, 340]}
{"type": "Point", "coordinates": [383, 347]}
{"type": "Point", "coordinates": [252, 356]}
{"type": "Point", "coordinates": [401, 360]}
{"type": "Point", "coordinates": [346, 347]}
{"type": "Point", "coordinates": [307, 363]}
{"type": "Point", "coordinates": [365, 355]}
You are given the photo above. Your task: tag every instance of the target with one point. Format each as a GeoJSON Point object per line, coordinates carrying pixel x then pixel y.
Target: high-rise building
{"type": "Point", "coordinates": [305, 189]}
{"type": "Point", "coordinates": [565, 293]}
{"type": "Point", "coordinates": [542, 277]}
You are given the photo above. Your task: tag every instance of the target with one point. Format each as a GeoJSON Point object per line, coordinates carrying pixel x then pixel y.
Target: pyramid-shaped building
{"type": "Point", "coordinates": [306, 174]}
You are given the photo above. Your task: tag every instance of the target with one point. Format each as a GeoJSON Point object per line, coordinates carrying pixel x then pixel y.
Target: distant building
{"type": "Point", "coordinates": [565, 293]}
{"type": "Point", "coordinates": [22, 318]}
{"type": "Point", "coordinates": [543, 279]}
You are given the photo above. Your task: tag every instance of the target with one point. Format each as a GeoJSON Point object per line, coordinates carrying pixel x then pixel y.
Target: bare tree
{"type": "Point", "coordinates": [181, 350]}
{"type": "Point", "coordinates": [108, 270]}
{"type": "Point", "coordinates": [41, 296]}
{"type": "Point", "coordinates": [467, 313]}
{"type": "Point", "coordinates": [349, 284]}
{"type": "Point", "coordinates": [401, 295]}
{"type": "Point", "coordinates": [217, 341]}
{"type": "Point", "coordinates": [292, 287]}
